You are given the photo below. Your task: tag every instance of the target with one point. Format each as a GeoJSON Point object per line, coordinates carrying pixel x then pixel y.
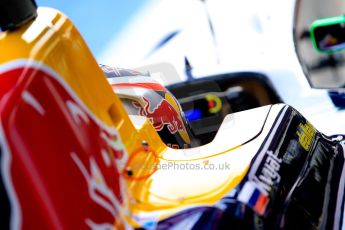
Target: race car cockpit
{"type": "Point", "coordinates": [71, 156]}
{"type": "Point", "coordinates": [201, 104]}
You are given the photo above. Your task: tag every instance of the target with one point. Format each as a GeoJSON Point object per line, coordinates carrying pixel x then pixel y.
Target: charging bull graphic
{"type": "Point", "coordinates": [65, 175]}
{"type": "Point", "coordinates": [163, 114]}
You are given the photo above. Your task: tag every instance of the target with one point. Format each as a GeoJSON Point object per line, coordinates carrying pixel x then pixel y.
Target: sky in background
{"type": "Point", "coordinates": [98, 21]}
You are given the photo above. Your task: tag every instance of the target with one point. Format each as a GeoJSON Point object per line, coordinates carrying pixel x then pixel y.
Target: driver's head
{"type": "Point", "coordinates": [141, 95]}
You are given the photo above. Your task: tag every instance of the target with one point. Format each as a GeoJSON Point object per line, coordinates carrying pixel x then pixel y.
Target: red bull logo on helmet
{"type": "Point", "coordinates": [163, 114]}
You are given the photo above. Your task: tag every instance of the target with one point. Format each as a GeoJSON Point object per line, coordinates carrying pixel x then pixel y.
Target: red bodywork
{"type": "Point", "coordinates": [59, 163]}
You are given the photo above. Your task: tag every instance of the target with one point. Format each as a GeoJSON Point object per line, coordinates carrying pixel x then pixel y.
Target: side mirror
{"type": "Point", "coordinates": [328, 34]}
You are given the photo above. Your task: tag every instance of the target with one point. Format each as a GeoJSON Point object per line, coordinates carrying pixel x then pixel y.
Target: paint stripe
{"type": "Point", "coordinates": [340, 199]}
{"type": "Point", "coordinates": [261, 204]}
{"type": "Point", "coordinates": [152, 86]}
{"type": "Point", "coordinates": [254, 197]}
{"type": "Point", "coordinates": [31, 100]}
{"type": "Point", "coordinates": [245, 193]}
{"type": "Point", "coordinates": [131, 79]}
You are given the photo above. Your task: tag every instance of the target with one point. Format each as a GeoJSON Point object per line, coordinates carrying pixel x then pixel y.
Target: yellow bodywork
{"type": "Point", "coordinates": [160, 184]}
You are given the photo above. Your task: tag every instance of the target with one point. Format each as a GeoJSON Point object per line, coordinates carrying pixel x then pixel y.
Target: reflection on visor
{"type": "Point", "coordinates": [193, 114]}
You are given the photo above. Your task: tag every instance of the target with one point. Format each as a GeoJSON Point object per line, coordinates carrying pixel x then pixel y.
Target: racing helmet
{"type": "Point", "coordinates": [142, 95]}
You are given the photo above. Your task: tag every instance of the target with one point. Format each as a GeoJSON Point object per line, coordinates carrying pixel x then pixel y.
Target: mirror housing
{"type": "Point", "coordinates": [328, 34]}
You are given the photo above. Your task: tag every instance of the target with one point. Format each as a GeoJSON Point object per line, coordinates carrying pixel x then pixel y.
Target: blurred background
{"type": "Point", "coordinates": [216, 37]}
{"type": "Point", "coordinates": [236, 35]}
{"type": "Point", "coordinates": [128, 34]}
{"type": "Point", "coordinates": [99, 22]}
